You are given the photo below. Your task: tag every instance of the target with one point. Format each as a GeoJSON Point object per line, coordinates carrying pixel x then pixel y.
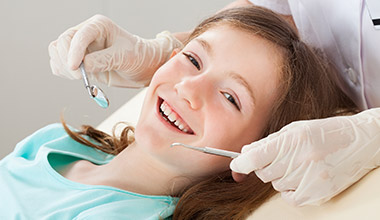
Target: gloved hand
{"type": "Point", "coordinates": [111, 55]}
{"type": "Point", "coordinates": [309, 162]}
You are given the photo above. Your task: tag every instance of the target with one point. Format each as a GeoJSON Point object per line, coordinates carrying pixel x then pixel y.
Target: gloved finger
{"type": "Point", "coordinates": [87, 34]}
{"type": "Point", "coordinates": [259, 156]}
{"type": "Point", "coordinates": [52, 48]}
{"type": "Point", "coordinates": [284, 176]}
{"type": "Point", "coordinates": [312, 187]}
{"type": "Point", "coordinates": [101, 61]}
{"type": "Point", "coordinates": [272, 172]}
{"type": "Point", "coordinates": [287, 183]}
{"type": "Point", "coordinates": [289, 197]}
{"type": "Point", "coordinates": [56, 65]}
{"type": "Point", "coordinates": [54, 68]}
{"type": "Point", "coordinates": [261, 142]}
{"type": "Point", "coordinates": [55, 62]}
{"type": "Point", "coordinates": [293, 198]}
{"type": "Point", "coordinates": [63, 46]}
{"type": "Point", "coordinates": [64, 41]}
{"type": "Point", "coordinates": [59, 70]}
{"type": "Point", "coordinates": [53, 57]}
{"type": "Point", "coordinates": [238, 177]}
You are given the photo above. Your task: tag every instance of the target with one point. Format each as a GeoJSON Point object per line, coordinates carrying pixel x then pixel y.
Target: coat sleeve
{"type": "Point", "coordinates": [279, 6]}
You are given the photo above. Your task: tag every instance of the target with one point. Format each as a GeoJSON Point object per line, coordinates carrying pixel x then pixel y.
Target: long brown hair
{"type": "Point", "coordinates": [307, 89]}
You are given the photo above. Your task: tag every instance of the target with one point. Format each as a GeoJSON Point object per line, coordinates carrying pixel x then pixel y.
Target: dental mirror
{"type": "Point", "coordinates": [95, 92]}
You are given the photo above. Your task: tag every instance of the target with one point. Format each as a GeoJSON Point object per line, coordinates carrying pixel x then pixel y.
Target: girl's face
{"type": "Point", "coordinates": [218, 91]}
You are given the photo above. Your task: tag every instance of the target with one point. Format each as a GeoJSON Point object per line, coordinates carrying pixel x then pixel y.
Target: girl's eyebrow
{"type": "Point", "coordinates": [238, 78]}
{"type": "Point", "coordinates": [206, 46]}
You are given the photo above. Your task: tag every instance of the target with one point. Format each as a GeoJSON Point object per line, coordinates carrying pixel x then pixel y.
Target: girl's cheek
{"type": "Point", "coordinates": [161, 75]}
{"type": "Point", "coordinates": [169, 68]}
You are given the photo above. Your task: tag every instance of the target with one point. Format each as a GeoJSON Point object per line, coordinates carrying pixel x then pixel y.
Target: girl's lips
{"type": "Point", "coordinates": [171, 118]}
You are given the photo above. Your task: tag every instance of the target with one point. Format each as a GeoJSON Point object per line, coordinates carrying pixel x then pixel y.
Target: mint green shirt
{"type": "Point", "coordinates": [30, 187]}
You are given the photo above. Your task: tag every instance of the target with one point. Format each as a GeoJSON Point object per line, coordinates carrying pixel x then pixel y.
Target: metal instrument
{"type": "Point", "coordinates": [95, 92]}
{"type": "Point", "coordinates": [209, 150]}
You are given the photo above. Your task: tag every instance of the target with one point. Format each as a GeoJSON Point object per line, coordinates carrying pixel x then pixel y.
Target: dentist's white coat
{"type": "Point", "coordinates": [344, 30]}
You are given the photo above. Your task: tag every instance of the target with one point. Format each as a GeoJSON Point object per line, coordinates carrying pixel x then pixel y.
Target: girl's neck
{"type": "Point", "coordinates": [132, 170]}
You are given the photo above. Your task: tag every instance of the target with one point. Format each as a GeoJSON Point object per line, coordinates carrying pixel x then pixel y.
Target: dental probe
{"type": "Point", "coordinates": [209, 150]}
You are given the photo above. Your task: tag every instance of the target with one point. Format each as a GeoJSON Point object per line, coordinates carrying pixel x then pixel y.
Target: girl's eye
{"type": "Point", "coordinates": [231, 99]}
{"type": "Point", "coordinates": [193, 60]}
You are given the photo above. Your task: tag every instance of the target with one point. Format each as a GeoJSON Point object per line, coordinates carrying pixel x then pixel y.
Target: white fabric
{"type": "Point", "coordinates": [343, 29]}
{"type": "Point", "coordinates": [279, 6]}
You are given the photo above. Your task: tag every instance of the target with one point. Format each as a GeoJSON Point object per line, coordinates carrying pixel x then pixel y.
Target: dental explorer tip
{"type": "Point", "coordinates": [175, 144]}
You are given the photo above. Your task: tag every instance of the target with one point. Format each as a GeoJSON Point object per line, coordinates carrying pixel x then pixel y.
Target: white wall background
{"type": "Point", "coordinates": [31, 97]}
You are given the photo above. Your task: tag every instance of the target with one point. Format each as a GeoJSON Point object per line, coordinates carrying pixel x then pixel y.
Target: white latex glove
{"type": "Point", "coordinates": [111, 55]}
{"type": "Point", "coordinates": [309, 162]}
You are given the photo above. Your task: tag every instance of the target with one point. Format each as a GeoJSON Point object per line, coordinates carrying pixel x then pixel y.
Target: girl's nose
{"type": "Point", "coordinates": [195, 90]}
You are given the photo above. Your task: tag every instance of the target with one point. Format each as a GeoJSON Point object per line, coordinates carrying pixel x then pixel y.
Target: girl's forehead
{"type": "Point", "coordinates": [240, 44]}
{"type": "Point", "coordinates": [231, 35]}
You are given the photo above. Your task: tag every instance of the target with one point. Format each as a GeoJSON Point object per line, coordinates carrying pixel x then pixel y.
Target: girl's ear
{"type": "Point", "coordinates": [174, 52]}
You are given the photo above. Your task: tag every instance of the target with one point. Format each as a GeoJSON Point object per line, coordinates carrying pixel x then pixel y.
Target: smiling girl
{"type": "Point", "coordinates": [243, 74]}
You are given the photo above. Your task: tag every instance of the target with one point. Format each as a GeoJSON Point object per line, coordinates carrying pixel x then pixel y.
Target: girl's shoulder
{"type": "Point", "coordinates": [30, 145]}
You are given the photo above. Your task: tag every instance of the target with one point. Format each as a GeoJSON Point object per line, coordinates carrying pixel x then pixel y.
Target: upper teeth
{"type": "Point", "coordinates": [173, 117]}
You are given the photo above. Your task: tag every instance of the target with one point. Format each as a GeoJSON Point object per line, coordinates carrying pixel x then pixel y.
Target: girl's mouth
{"type": "Point", "coordinates": [172, 117]}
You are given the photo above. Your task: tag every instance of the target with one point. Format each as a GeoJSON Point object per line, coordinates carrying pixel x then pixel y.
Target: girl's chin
{"type": "Point", "coordinates": [149, 138]}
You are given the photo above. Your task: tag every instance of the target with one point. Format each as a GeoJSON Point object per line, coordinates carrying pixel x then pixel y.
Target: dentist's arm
{"type": "Point", "coordinates": [309, 162]}
{"type": "Point", "coordinates": [111, 54]}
